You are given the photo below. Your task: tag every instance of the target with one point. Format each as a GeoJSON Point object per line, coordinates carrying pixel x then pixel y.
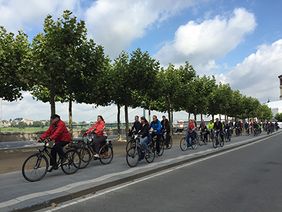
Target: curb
{"type": "Point", "coordinates": [117, 182]}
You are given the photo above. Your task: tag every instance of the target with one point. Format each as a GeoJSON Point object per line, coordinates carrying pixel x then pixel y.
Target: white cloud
{"type": "Point", "coordinates": [203, 43]}
{"type": "Point", "coordinates": [257, 75]}
{"type": "Point", "coordinates": [115, 24]}
{"type": "Point", "coordinates": [19, 14]}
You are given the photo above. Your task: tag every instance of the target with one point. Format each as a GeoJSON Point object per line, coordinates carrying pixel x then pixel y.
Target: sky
{"type": "Point", "coordinates": [237, 41]}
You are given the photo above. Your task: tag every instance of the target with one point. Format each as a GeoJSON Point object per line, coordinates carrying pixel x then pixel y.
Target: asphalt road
{"type": "Point", "coordinates": [245, 180]}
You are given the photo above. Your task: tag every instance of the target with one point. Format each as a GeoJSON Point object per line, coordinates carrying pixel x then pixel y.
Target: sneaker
{"type": "Point", "coordinates": [51, 168]}
{"type": "Point", "coordinates": [96, 156]}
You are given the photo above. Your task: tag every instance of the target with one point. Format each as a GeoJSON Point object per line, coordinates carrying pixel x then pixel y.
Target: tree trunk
{"type": "Point", "coordinates": [126, 121]}
{"type": "Point", "coordinates": [169, 116]}
{"type": "Point", "coordinates": [189, 116]}
{"type": "Point", "coordinates": [118, 119]}
{"type": "Point", "coordinates": [70, 117]}
{"type": "Point", "coordinates": [219, 117]}
{"type": "Point", "coordinates": [201, 116]}
{"type": "Point", "coordinates": [149, 115]}
{"type": "Point", "coordinates": [195, 117]}
{"type": "Point", "coordinates": [213, 117]}
{"type": "Point", "coordinates": [52, 103]}
{"type": "Point", "coordinates": [172, 118]}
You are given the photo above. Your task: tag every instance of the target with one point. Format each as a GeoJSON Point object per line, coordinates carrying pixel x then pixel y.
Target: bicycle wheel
{"type": "Point", "coordinates": [132, 156]}
{"type": "Point", "coordinates": [35, 167]}
{"type": "Point", "coordinates": [183, 144]}
{"type": "Point", "coordinates": [221, 143]}
{"type": "Point", "coordinates": [106, 154]}
{"type": "Point", "coordinates": [205, 140]}
{"type": "Point", "coordinates": [85, 157]}
{"type": "Point", "coordinates": [215, 142]}
{"type": "Point", "coordinates": [169, 143]}
{"type": "Point", "coordinates": [194, 144]}
{"type": "Point", "coordinates": [161, 148]}
{"type": "Point", "coordinates": [150, 154]}
{"type": "Point", "coordinates": [71, 162]}
{"type": "Point", "coordinates": [130, 144]}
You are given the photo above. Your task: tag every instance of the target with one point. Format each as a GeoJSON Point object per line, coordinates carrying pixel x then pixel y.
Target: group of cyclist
{"type": "Point", "coordinates": [59, 134]}
{"type": "Point", "coordinates": [148, 131]}
{"type": "Point", "coordinates": [221, 129]}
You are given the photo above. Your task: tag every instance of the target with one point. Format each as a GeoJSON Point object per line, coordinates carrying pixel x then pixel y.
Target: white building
{"type": "Point", "coordinates": [276, 107]}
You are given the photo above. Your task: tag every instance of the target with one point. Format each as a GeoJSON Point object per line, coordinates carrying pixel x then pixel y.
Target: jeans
{"type": "Point", "coordinates": [144, 143]}
{"type": "Point", "coordinates": [190, 137]}
{"type": "Point", "coordinates": [57, 148]}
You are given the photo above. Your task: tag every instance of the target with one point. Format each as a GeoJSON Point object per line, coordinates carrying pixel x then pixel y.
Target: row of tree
{"type": "Point", "coordinates": [62, 64]}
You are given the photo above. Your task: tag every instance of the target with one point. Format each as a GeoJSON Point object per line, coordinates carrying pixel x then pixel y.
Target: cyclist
{"type": "Point", "coordinates": [218, 127]}
{"type": "Point", "coordinates": [156, 129]}
{"type": "Point", "coordinates": [204, 130]}
{"type": "Point", "coordinates": [144, 135]}
{"type": "Point", "coordinates": [191, 132]}
{"type": "Point", "coordinates": [136, 127]}
{"type": "Point", "coordinates": [246, 126]}
{"type": "Point", "coordinates": [166, 128]}
{"type": "Point", "coordinates": [210, 127]}
{"type": "Point", "coordinates": [227, 130]}
{"type": "Point", "coordinates": [59, 133]}
{"type": "Point", "coordinates": [100, 136]}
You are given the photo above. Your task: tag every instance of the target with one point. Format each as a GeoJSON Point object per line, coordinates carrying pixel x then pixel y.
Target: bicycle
{"type": "Point", "coordinates": [203, 137]}
{"type": "Point", "coordinates": [38, 163]}
{"type": "Point", "coordinates": [227, 135]}
{"type": "Point", "coordinates": [162, 144]}
{"type": "Point", "coordinates": [131, 141]}
{"type": "Point", "coordinates": [135, 153]}
{"type": "Point", "coordinates": [87, 152]}
{"type": "Point", "coordinates": [216, 140]}
{"type": "Point", "coordinates": [193, 142]}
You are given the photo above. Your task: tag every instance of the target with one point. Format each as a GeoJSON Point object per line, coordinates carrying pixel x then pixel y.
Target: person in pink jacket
{"type": "Point", "coordinates": [100, 136]}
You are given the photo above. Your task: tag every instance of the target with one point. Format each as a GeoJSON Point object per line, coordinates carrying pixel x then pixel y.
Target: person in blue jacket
{"type": "Point", "coordinates": [156, 129]}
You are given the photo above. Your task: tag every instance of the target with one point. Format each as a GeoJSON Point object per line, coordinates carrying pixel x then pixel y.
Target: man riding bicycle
{"type": "Point", "coordinates": [166, 129]}
{"type": "Point", "coordinates": [218, 128]}
{"type": "Point", "coordinates": [58, 133]}
{"type": "Point", "coordinates": [136, 127]}
{"type": "Point", "coordinates": [156, 129]}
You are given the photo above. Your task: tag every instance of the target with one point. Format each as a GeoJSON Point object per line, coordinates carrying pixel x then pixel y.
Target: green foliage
{"type": "Point", "coordinates": [61, 64]}
{"type": "Point", "coordinates": [14, 64]}
{"type": "Point", "coordinates": [278, 117]}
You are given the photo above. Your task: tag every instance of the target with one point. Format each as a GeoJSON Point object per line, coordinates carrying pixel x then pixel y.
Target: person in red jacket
{"type": "Point", "coordinates": [98, 129]}
{"type": "Point", "coordinates": [58, 133]}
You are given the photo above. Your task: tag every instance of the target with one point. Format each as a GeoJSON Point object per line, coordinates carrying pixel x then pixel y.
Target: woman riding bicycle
{"type": "Point", "coordinates": [191, 132]}
{"type": "Point", "coordinates": [100, 136]}
{"type": "Point", "coordinates": [59, 133]}
{"type": "Point", "coordinates": [144, 135]}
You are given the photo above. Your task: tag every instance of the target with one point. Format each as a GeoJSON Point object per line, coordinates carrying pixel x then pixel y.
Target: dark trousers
{"type": "Point", "coordinates": [167, 138]}
{"type": "Point", "coordinates": [57, 148]}
{"type": "Point", "coordinates": [157, 141]}
{"type": "Point", "coordinates": [99, 141]}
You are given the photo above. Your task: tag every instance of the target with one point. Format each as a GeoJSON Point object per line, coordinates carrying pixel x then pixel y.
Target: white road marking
{"type": "Point", "coordinates": [150, 177]}
{"type": "Point", "coordinates": [68, 187]}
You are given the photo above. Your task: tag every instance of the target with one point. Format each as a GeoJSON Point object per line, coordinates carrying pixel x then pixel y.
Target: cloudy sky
{"type": "Point", "coordinates": [238, 41]}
